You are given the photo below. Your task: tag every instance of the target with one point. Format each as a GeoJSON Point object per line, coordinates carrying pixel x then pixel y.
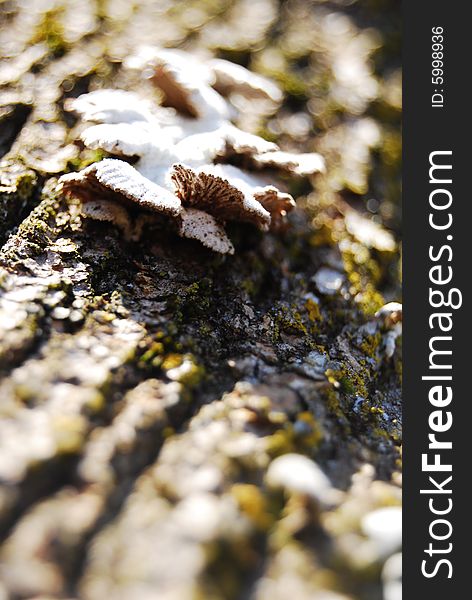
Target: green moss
{"type": "Point", "coordinates": [370, 345]}
{"type": "Point", "coordinates": [350, 381]}
{"type": "Point", "coordinates": [198, 295]}
{"type": "Point", "coordinates": [323, 236]}
{"type": "Point", "coordinates": [267, 135]}
{"type": "Point", "coordinates": [51, 31]}
{"type": "Point", "coordinates": [38, 229]}
{"type": "Point", "coordinates": [291, 83]}
{"type": "Point", "coordinates": [371, 301]}
{"type": "Point", "coordinates": [205, 330]}
{"type": "Point", "coordinates": [96, 403]}
{"type": "Point", "coordinates": [249, 287]}
{"type": "Point", "coordinates": [253, 504]}
{"type": "Point", "coordinates": [313, 436]}
{"type": "Point", "coordinates": [86, 158]}
{"type": "Point", "coordinates": [288, 320]}
{"type": "Point", "coordinates": [280, 442]}
{"type": "Point", "coordinates": [154, 354]}
{"type": "Point", "coordinates": [18, 187]}
{"type": "Point", "coordinates": [69, 432]}
{"type": "Point", "coordinates": [364, 275]}
{"type": "Point", "coordinates": [179, 367]}
{"type": "Point", "coordinates": [313, 310]}
{"type": "Point", "coordinates": [193, 301]}
{"type": "Point", "coordinates": [172, 361]}
{"type": "Point", "coordinates": [379, 432]}
{"type": "Point", "coordinates": [332, 401]}
{"type": "Point", "coordinates": [289, 437]}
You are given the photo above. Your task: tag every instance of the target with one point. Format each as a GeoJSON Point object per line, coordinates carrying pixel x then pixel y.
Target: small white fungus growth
{"type": "Point", "coordinates": [111, 106]}
{"type": "Point", "coordinates": [296, 164]}
{"type": "Point", "coordinates": [123, 139]}
{"type": "Point", "coordinates": [368, 232]}
{"type": "Point", "coordinates": [298, 474]}
{"type": "Point", "coordinates": [384, 527]}
{"type": "Point", "coordinates": [391, 315]}
{"type": "Point", "coordinates": [105, 210]}
{"type": "Point", "coordinates": [179, 153]}
{"type": "Point", "coordinates": [198, 225]}
{"type": "Point", "coordinates": [392, 577]}
{"type": "Point", "coordinates": [179, 77]}
{"type": "Point", "coordinates": [328, 281]}
{"type": "Point", "coordinates": [230, 77]}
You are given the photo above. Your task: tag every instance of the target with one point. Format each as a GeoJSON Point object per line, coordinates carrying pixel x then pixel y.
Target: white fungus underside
{"type": "Point", "coordinates": [198, 225]}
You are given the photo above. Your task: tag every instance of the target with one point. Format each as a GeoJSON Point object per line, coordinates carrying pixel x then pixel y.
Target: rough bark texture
{"type": "Point", "coordinates": [148, 386]}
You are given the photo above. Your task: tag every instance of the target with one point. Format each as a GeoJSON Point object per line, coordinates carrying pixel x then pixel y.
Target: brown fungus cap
{"type": "Point", "coordinates": [218, 196]}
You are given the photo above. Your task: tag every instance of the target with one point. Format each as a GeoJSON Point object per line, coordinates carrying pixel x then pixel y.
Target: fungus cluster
{"type": "Point", "coordinates": [182, 151]}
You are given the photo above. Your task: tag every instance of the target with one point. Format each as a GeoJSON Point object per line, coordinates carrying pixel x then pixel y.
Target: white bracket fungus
{"type": "Point", "coordinates": [182, 153]}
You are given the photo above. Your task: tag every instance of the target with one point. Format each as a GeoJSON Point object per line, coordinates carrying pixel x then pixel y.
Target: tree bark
{"type": "Point", "coordinates": [148, 386]}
